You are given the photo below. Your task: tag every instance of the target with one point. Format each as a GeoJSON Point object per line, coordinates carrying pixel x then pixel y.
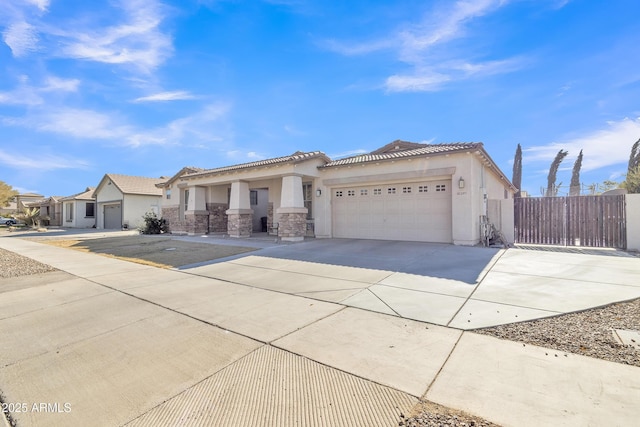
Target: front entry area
{"type": "Point", "coordinates": [414, 211]}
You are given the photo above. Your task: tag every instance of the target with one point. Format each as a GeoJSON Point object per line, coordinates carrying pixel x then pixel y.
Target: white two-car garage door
{"type": "Point", "coordinates": [416, 211]}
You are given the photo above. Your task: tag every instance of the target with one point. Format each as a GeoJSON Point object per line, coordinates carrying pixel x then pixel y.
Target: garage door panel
{"type": "Point", "coordinates": [418, 211]}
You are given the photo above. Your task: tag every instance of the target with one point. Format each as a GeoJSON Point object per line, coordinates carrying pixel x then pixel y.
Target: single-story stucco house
{"type": "Point", "coordinates": [402, 191]}
{"type": "Point", "coordinates": [79, 210]}
{"type": "Point", "coordinates": [123, 200]}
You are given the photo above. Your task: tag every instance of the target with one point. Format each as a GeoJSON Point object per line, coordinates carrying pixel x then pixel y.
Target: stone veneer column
{"type": "Point", "coordinates": [197, 222]}
{"type": "Point", "coordinates": [292, 223]}
{"type": "Point", "coordinates": [196, 217]}
{"type": "Point", "coordinates": [239, 214]}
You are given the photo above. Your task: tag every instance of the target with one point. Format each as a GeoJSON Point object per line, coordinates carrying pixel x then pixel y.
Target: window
{"type": "Point", "coordinates": [377, 191]}
{"type": "Point", "coordinates": [307, 195]}
{"type": "Point", "coordinates": [184, 206]}
{"type": "Point", "coordinates": [391, 190]}
{"type": "Point", "coordinates": [69, 211]}
{"type": "Point", "coordinates": [423, 189]}
{"type": "Point", "coordinates": [406, 190]}
{"type": "Point", "coordinates": [253, 197]}
{"type": "Point", "coordinates": [168, 193]}
{"type": "Point", "coordinates": [441, 187]}
{"type": "Point", "coordinates": [339, 193]}
{"type": "Point", "coordinates": [364, 192]}
{"type": "Point", "coordinates": [351, 192]}
{"type": "Point", "coordinates": [89, 210]}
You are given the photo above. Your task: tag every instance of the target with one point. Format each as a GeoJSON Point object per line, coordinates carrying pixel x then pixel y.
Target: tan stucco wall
{"type": "Point", "coordinates": [633, 221]}
{"type": "Point", "coordinates": [134, 207]}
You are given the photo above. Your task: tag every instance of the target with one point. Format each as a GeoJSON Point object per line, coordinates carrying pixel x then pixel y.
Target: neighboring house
{"type": "Point", "coordinates": [122, 200]}
{"type": "Point", "coordinates": [79, 210]}
{"type": "Point", "coordinates": [50, 210]}
{"type": "Point", "coordinates": [402, 191]}
{"type": "Point", "coordinates": [17, 204]}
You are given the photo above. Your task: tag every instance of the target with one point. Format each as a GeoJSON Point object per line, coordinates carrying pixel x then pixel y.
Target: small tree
{"type": "Point", "coordinates": [153, 224]}
{"type": "Point", "coordinates": [6, 194]}
{"type": "Point", "coordinates": [552, 189]}
{"type": "Point", "coordinates": [632, 181]}
{"type": "Point", "coordinates": [517, 170]}
{"type": "Point", "coordinates": [574, 187]}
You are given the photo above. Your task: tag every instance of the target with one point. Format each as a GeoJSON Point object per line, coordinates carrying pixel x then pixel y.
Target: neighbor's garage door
{"type": "Point", "coordinates": [112, 216]}
{"type": "Point", "coordinates": [417, 211]}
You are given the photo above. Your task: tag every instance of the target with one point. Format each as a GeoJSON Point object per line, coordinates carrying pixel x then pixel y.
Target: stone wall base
{"type": "Point", "coordinates": [197, 222]}
{"type": "Point", "coordinates": [292, 226]}
{"type": "Point", "coordinates": [239, 224]}
{"type": "Point", "coordinates": [217, 217]}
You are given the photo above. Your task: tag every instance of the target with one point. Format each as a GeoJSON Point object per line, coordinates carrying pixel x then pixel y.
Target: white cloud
{"type": "Point", "coordinates": [423, 81]}
{"type": "Point", "coordinates": [26, 94]}
{"type": "Point", "coordinates": [54, 84]}
{"type": "Point", "coordinates": [138, 40]}
{"type": "Point", "coordinates": [422, 47]}
{"type": "Point", "coordinates": [41, 162]}
{"type": "Point", "coordinates": [166, 96]}
{"type": "Point", "coordinates": [77, 123]}
{"type": "Point", "coordinates": [43, 5]}
{"type": "Point", "coordinates": [206, 127]}
{"type": "Point", "coordinates": [601, 148]}
{"type": "Point", "coordinates": [21, 37]}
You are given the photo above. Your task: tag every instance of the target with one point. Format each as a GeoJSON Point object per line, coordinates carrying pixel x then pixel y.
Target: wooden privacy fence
{"type": "Point", "coordinates": [594, 221]}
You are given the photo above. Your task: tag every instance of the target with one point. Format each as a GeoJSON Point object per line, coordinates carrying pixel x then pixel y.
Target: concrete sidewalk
{"type": "Point", "coordinates": [268, 340]}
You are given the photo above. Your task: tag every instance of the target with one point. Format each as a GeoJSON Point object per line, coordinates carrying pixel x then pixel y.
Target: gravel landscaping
{"type": "Point", "coordinates": [14, 265]}
{"type": "Point", "coordinates": [589, 333]}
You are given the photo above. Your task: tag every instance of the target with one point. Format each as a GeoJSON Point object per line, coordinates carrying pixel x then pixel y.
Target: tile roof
{"type": "Point", "coordinates": [136, 184]}
{"type": "Point", "coordinates": [296, 157]}
{"type": "Point", "coordinates": [423, 150]}
{"type": "Point", "coordinates": [84, 195]}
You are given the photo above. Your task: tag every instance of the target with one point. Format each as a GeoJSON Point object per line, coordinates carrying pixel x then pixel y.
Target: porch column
{"type": "Point", "coordinates": [196, 216]}
{"type": "Point", "coordinates": [239, 213]}
{"type": "Point", "coordinates": [292, 225]}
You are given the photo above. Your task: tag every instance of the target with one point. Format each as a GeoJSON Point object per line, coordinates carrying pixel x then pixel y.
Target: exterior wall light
{"type": "Point", "coordinates": [318, 192]}
{"type": "Point", "coordinates": [461, 183]}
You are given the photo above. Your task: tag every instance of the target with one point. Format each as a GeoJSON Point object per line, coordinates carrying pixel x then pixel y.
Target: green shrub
{"type": "Point", "coordinates": [153, 224]}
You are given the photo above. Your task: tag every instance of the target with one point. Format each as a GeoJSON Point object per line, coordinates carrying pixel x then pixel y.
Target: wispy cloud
{"type": "Point", "coordinates": [132, 37]}
{"type": "Point", "coordinates": [207, 126]}
{"type": "Point", "coordinates": [27, 94]}
{"type": "Point", "coordinates": [41, 162]}
{"type": "Point", "coordinates": [420, 46]}
{"type": "Point", "coordinates": [178, 95]}
{"type": "Point", "coordinates": [137, 40]}
{"type": "Point", "coordinates": [72, 122]}
{"type": "Point", "coordinates": [55, 84]}
{"type": "Point", "coordinates": [21, 37]}
{"type": "Point", "coordinates": [43, 5]}
{"type": "Point", "coordinates": [602, 147]}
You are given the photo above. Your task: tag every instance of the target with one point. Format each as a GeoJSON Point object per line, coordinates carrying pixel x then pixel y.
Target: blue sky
{"type": "Point", "coordinates": [145, 87]}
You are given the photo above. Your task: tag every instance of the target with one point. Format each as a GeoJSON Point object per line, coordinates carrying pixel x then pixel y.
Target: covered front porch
{"type": "Point", "coordinates": [274, 199]}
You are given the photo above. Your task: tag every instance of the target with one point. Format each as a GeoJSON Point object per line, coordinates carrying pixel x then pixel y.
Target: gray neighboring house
{"type": "Point", "coordinates": [79, 210]}
{"type": "Point", "coordinates": [123, 200]}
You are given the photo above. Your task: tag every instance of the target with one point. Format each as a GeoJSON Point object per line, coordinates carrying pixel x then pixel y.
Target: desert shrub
{"type": "Point", "coordinates": [153, 225]}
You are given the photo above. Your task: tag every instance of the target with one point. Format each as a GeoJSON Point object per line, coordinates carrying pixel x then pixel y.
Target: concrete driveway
{"type": "Point", "coordinates": [326, 332]}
